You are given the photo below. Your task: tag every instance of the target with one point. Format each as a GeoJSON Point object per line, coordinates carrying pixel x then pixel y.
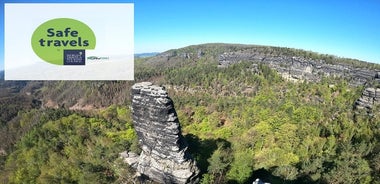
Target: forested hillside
{"type": "Point", "coordinates": [242, 121]}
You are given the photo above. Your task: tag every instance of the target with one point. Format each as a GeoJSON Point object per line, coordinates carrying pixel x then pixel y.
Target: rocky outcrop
{"type": "Point", "coordinates": [130, 158]}
{"type": "Point", "coordinates": [295, 68]}
{"type": "Point", "coordinates": [298, 68]}
{"type": "Point", "coordinates": [164, 157]}
{"type": "Point", "coordinates": [370, 95]}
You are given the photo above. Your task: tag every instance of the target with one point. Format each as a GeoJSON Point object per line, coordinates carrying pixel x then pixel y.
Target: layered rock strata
{"type": "Point", "coordinates": [371, 95]}
{"type": "Point", "coordinates": [299, 68]}
{"type": "Point", "coordinates": [164, 157]}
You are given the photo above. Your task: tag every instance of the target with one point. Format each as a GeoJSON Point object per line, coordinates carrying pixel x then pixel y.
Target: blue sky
{"type": "Point", "coordinates": [348, 28]}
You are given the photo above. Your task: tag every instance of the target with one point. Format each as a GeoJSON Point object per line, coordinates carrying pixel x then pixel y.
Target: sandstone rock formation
{"type": "Point", "coordinates": [370, 95]}
{"type": "Point", "coordinates": [298, 68]}
{"type": "Point", "coordinates": [164, 157]}
{"type": "Point", "coordinates": [291, 64]}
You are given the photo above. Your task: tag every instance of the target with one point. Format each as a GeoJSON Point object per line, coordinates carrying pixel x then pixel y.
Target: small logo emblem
{"type": "Point", "coordinates": [63, 41]}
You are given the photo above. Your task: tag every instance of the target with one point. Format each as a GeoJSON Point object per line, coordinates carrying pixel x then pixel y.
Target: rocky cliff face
{"type": "Point", "coordinates": [371, 95]}
{"type": "Point", "coordinates": [164, 157]}
{"type": "Point", "coordinates": [298, 68]}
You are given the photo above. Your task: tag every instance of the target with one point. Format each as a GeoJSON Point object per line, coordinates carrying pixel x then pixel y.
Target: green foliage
{"type": "Point", "coordinates": [292, 130]}
{"type": "Point", "coordinates": [207, 179]}
{"type": "Point", "coordinates": [219, 163]}
{"type": "Point", "coordinates": [242, 166]}
{"type": "Point", "coordinates": [349, 168]}
{"type": "Point", "coordinates": [287, 172]}
{"type": "Point", "coordinates": [71, 149]}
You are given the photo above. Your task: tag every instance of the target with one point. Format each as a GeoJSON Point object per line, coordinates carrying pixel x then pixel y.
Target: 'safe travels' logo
{"type": "Point", "coordinates": [63, 41]}
{"type": "Point", "coordinates": [69, 41]}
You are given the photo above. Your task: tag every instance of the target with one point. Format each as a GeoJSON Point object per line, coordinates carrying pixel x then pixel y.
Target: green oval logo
{"type": "Point", "coordinates": [63, 41]}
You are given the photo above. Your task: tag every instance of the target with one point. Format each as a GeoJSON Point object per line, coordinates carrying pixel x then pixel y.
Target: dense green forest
{"type": "Point", "coordinates": [241, 123]}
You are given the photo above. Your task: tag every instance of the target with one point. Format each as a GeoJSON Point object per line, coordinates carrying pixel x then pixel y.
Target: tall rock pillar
{"type": "Point", "coordinates": [164, 157]}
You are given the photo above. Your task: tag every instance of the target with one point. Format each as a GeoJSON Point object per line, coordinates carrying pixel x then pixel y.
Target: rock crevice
{"type": "Point", "coordinates": [164, 157]}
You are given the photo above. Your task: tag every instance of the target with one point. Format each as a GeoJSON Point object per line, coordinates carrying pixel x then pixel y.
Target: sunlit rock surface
{"type": "Point", "coordinates": [164, 157]}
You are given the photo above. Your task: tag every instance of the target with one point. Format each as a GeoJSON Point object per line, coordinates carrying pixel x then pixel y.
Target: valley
{"type": "Point", "coordinates": [279, 114]}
